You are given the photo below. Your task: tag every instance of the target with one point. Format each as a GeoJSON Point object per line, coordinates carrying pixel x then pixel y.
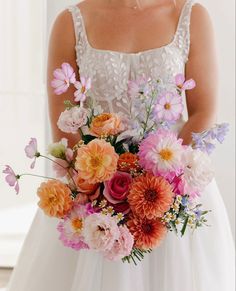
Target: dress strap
{"type": "Point", "coordinates": [182, 37]}
{"type": "Point", "coordinates": [80, 36]}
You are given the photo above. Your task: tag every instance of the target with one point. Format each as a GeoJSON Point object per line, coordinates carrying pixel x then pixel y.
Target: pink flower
{"type": "Point", "coordinates": [122, 246]}
{"type": "Point", "coordinates": [161, 152]}
{"type": "Point", "coordinates": [82, 88]}
{"type": "Point", "coordinates": [169, 107]}
{"type": "Point", "coordinates": [61, 168]}
{"type": "Point", "coordinates": [11, 178]}
{"type": "Point", "coordinates": [72, 119]}
{"type": "Point", "coordinates": [63, 78]}
{"type": "Point", "coordinates": [100, 231]}
{"type": "Point", "coordinates": [138, 87]}
{"type": "Point", "coordinates": [32, 151]}
{"type": "Point", "coordinates": [184, 85]}
{"type": "Point", "coordinates": [116, 190]}
{"type": "Point", "coordinates": [71, 228]}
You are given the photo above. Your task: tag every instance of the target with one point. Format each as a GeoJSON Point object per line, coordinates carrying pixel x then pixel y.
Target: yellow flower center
{"type": "Point", "coordinates": [166, 154]}
{"type": "Point", "coordinates": [77, 224]}
{"type": "Point", "coordinates": [167, 106]}
{"type": "Point", "coordinates": [83, 89]}
{"type": "Point", "coordinates": [96, 161]}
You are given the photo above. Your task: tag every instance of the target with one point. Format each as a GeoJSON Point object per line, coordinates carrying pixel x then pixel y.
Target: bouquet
{"type": "Point", "coordinates": [129, 180]}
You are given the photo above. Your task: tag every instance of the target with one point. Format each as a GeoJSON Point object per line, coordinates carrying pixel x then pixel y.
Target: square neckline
{"type": "Point", "coordinates": [131, 53]}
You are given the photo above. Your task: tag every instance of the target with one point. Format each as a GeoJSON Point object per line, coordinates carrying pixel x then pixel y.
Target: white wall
{"type": "Point", "coordinates": [222, 13]}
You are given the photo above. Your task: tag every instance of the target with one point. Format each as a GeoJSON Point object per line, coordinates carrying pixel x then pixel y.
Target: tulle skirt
{"type": "Point", "coordinates": [200, 261]}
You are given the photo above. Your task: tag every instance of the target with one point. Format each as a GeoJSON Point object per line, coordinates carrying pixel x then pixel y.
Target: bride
{"type": "Point", "coordinates": [113, 41]}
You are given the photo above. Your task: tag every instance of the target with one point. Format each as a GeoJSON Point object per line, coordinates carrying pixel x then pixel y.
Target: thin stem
{"type": "Point", "coordinates": [148, 114]}
{"type": "Point", "coordinates": [39, 176]}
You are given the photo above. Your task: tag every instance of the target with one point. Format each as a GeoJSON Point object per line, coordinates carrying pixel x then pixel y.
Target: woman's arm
{"type": "Point", "coordinates": [202, 67]}
{"type": "Point", "coordinates": [61, 49]}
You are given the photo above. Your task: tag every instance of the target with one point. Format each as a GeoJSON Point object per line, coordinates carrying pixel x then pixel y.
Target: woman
{"type": "Point", "coordinates": [113, 41]}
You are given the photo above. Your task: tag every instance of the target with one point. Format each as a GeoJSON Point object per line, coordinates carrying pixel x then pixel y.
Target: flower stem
{"type": "Point", "coordinates": [33, 175]}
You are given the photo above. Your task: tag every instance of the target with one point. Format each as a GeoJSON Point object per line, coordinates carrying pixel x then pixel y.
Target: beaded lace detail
{"type": "Point", "coordinates": [110, 71]}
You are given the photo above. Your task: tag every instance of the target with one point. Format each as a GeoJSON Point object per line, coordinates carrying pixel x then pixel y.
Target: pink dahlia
{"type": "Point", "coordinates": [161, 153]}
{"type": "Point", "coordinates": [72, 226]}
{"type": "Point", "coordinates": [122, 246]}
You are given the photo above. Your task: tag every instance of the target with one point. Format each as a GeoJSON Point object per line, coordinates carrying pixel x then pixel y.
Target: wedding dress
{"type": "Point", "coordinates": [203, 261]}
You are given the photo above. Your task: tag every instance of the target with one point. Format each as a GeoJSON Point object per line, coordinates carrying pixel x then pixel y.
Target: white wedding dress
{"type": "Point", "coordinates": [203, 261]}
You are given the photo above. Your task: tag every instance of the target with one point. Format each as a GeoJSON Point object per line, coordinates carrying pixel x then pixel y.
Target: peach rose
{"type": "Point", "coordinates": [55, 198]}
{"type": "Point", "coordinates": [106, 124]}
{"type": "Point", "coordinates": [91, 191]}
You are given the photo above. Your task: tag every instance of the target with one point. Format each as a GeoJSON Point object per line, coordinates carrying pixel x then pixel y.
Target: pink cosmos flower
{"type": "Point", "coordinates": [71, 228]}
{"type": "Point", "coordinates": [63, 78]}
{"type": "Point", "coordinates": [12, 178]}
{"type": "Point", "coordinates": [100, 231]}
{"type": "Point", "coordinates": [71, 120]}
{"type": "Point", "coordinates": [182, 84]}
{"type": "Point", "coordinates": [169, 107]}
{"type": "Point", "coordinates": [138, 87]}
{"type": "Point", "coordinates": [161, 152]}
{"type": "Point", "coordinates": [32, 151]}
{"type": "Point", "coordinates": [122, 246]}
{"type": "Point", "coordinates": [82, 88]}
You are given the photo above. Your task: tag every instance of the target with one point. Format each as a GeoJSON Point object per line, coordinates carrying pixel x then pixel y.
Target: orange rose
{"type": "Point", "coordinates": [55, 198]}
{"type": "Point", "coordinates": [92, 191]}
{"type": "Point", "coordinates": [106, 124]}
{"type": "Point", "coordinates": [128, 162]}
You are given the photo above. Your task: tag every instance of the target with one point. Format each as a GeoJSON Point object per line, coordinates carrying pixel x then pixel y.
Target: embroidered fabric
{"type": "Point", "coordinates": [111, 70]}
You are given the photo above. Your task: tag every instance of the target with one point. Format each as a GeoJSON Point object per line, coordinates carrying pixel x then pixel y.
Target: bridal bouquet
{"type": "Point", "coordinates": [129, 179]}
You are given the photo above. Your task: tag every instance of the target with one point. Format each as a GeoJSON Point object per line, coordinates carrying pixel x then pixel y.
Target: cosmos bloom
{"type": "Point", "coordinates": [184, 85]}
{"type": "Point", "coordinates": [169, 107]}
{"type": "Point", "coordinates": [148, 233]}
{"type": "Point", "coordinates": [82, 88]}
{"type": "Point", "coordinates": [138, 87]}
{"type": "Point", "coordinates": [12, 178]}
{"type": "Point", "coordinates": [63, 78]}
{"type": "Point", "coordinates": [149, 196]}
{"type": "Point", "coordinates": [161, 152]}
{"type": "Point", "coordinates": [31, 151]}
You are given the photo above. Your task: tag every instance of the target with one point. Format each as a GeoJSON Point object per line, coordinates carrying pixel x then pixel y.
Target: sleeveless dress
{"type": "Point", "coordinates": [203, 261]}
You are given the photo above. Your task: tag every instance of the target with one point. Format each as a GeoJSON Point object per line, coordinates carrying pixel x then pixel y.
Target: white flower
{"type": "Point", "coordinates": [58, 149]}
{"type": "Point", "coordinates": [73, 119]}
{"type": "Point", "coordinates": [198, 171]}
{"type": "Point", "coordinates": [100, 231]}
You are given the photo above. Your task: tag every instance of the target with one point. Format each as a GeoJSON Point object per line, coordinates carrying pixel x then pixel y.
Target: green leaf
{"type": "Point", "coordinates": [184, 226]}
{"type": "Point", "coordinates": [87, 138]}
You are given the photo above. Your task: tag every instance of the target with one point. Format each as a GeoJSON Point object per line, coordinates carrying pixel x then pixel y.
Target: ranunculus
{"type": "Point", "coordinates": [72, 119]}
{"type": "Point", "coordinates": [92, 191]}
{"type": "Point", "coordinates": [106, 124]}
{"type": "Point", "coordinates": [128, 162]}
{"type": "Point", "coordinates": [100, 231]}
{"type": "Point", "coordinates": [122, 246]}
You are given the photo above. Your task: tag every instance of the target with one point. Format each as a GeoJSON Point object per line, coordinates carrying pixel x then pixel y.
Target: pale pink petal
{"type": "Point", "coordinates": [189, 85]}
{"type": "Point", "coordinates": [59, 74]}
{"type": "Point", "coordinates": [179, 79]}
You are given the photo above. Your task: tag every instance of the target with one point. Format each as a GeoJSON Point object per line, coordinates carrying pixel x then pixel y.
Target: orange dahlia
{"type": "Point", "coordinates": [150, 196]}
{"type": "Point", "coordinates": [148, 233]}
{"type": "Point", "coordinates": [128, 162]}
{"type": "Point", "coordinates": [96, 162]}
{"type": "Point", "coordinates": [55, 198]}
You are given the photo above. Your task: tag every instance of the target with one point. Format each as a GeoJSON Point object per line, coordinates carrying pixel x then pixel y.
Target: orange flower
{"type": "Point", "coordinates": [106, 124]}
{"type": "Point", "coordinates": [128, 162]}
{"type": "Point", "coordinates": [92, 191]}
{"type": "Point", "coordinates": [96, 162]}
{"type": "Point", "coordinates": [148, 233]}
{"type": "Point", "coordinates": [150, 197]}
{"type": "Point", "coordinates": [55, 198]}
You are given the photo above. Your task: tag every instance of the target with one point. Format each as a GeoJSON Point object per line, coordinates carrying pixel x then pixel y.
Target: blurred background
{"type": "Point", "coordinates": [24, 29]}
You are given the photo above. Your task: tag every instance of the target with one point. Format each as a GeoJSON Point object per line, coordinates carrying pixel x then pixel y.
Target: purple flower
{"type": "Point", "coordinates": [63, 78]}
{"type": "Point", "coordinates": [82, 88]}
{"type": "Point", "coordinates": [182, 84]}
{"type": "Point", "coordinates": [12, 178]}
{"type": "Point", "coordinates": [222, 130]}
{"type": "Point", "coordinates": [32, 151]}
{"type": "Point", "coordinates": [138, 87]}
